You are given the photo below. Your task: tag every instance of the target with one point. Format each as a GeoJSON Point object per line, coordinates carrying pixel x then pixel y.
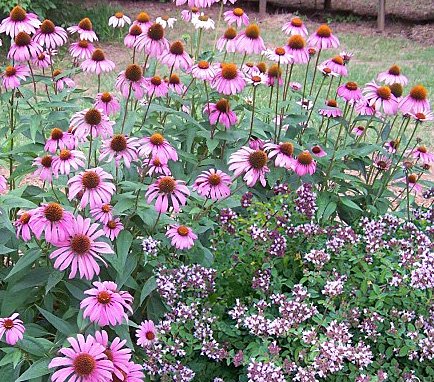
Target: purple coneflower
{"type": "Point", "coordinates": [213, 184]}
{"type": "Point", "coordinates": [283, 153]}
{"type": "Point", "coordinates": [221, 112]}
{"type": "Point", "coordinates": [85, 361]}
{"type": "Point", "coordinates": [393, 76]}
{"type": "Point", "coordinates": [411, 181]}
{"type": "Point", "coordinates": [421, 153]}
{"type": "Point", "coordinates": [228, 41]}
{"type": "Point", "coordinates": [67, 160]}
{"type": "Point", "coordinates": [119, 20]}
{"type": "Point", "coordinates": [157, 146]}
{"type": "Point", "coordinates": [108, 103]}
{"type": "Point", "coordinates": [182, 237]}
{"type": "Point", "coordinates": [203, 22]}
{"type": "Point", "coordinates": [152, 41]}
{"type": "Point", "coordinates": [189, 14]}
{"type": "Point", "coordinates": [381, 97]}
{"type": "Point", "coordinates": [62, 81]}
{"type": "Point", "coordinates": [363, 107]}
{"type": "Point", "coordinates": [176, 57]}
{"type": "Point", "coordinates": [146, 334]}
{"type": "Point", "coordinates": [50, 35]}
{"type": "Point", "coordinates": [103, 306]}
{"type": "Point", "coordinates": [13, 75]}
{"type": "Point", "coordinates": [166, 21]}
{"type": "Point", "coordinates": [166, 189]}
{"type": "Point", "coordinates": [44, 170]}
{"type": "Point", "coordinates": [296, 47]}
{"type": "Point", "coordinates": [318, 151]}
{"type": "Point", "coordinates": [80, 250]}
{"type": "Point", "coordinates": [24, 48]}
{"type": "Point", "coordinates": [12, 328]}
{"type": "Point", "coordinates": [279, 55]}
{"type": "Point", "coordinates": [238, 16]}
{"type": "Point", "coordinates": [249, 68]}
{"type": "Point", "coordinates": [22, 225]}
{"type": "Point", "coordinates": [295, 85]}
{"type": "Point", "coordinates": [323, 38]}
{"type": "Point", "coordinates": [133, 33]}
{"type": "Point", "coordinates": [19, 21]}
{"type": "Point", "coordinates": [95, 190]}
{"type": "Point", "coordinates": [3, 183]}
{"type": "Point", "coordinates": [97, 63]}
{"type": "Point", "coordinates": [382, 162]}
{"type": "Point", "coordinates": [229, 80]}
{"type": "Point", "coordinates": [416, 101]}
{"type": "Point", "coordinates": [82, 50]}
{"type": "Point", "coordinates": [102, 213]}
{"type": "Point", "coordinates": [304, 164]}
{"type": "Point", "coordinates": [252, 162]}
{"type": "Point", "coordinates": [337, 65]}
{"type": "Point", "coordinates": [157, 166]}
{"type": "Point", "coordinates": [256, 143]}
{"type": "Point", "coordinates": [92, 121]}
{"type": "Point", "coordinates": [426, 115]}
{"type": "Point", "coordinates": [249, 41]}
{"type": "Point", "coordinates": [332, 110]}
{"type": "Point", "coordinates": [131, 79]}
{"type": "Point", "coordinates": [392, 146]}
{"type": "Point", "coordinates": [274, 74]}
{"type": "Point", "coordinates": [203, 71]}
{"type": "Point", "coordinates": [358, 130]}
{"type": "Point", "coordinates": [350, 92]}
{"type": "Point", "coordinates": [175, 85]}
{"type": "Point", "coordinates": [295, 27]}
{"type": "Point", "coordinates": [256, 78]}
{"type": "Point", "coordinates": [43, 60]}
{"type": "Point", "coordinates": [84, 30]}
{"type": "Point", "coordinates": [120, 147]}
{"type": "Point", "coordinates": [156, 87]}
{"type": "Point", "coordinates": [53, 220]}
{"type": "Point", "coordinates": [143, 21]}
{"type": "Point", "coordinates": [112, 228]}
{"type": "Point", "coordinates": [116, 353]}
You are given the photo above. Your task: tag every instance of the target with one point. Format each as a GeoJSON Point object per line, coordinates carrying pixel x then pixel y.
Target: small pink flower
{"type": "Point", "coordinates": [143, 21]}
{"type": "Point", "coordinates": [318, 151]}
{"type": "Point", "coordinates": [166, 189]}
{"type": "Point", "coordinates": [119, 20]}
{"type": "Point", "coordinates": [60, 140]}
{"type": "Point", "coordinates": [337, 65]}
{"type": "Point", "coordinates": [382, 162]}
{"type": "Point", "coordinates": [332, 110]}
{"type": "Point", "coordinates": [108, 103]}
{"type": "Point", "coordinates": [393, 76]}
{"type": "Point", "coordinates": [103, 306]}
{"type": "Point", "coordinates": [84, 361]}
{"type": "Point", "coordinates": [157, 146]}
{"type": "Point", "coordinates": [182, 237]}
{"type": "Point", "coordinates": [24, 48]}
{"type": "Point", "coordinates": [50, 35]}
{"type": "Point", "coordinates": [220, 112]}
{"type": "Point", "coordinates": [249, 41]}
{"type": "Point", "coordinates": [131, 80]}
{"type": "Point", "coordinates": [423, 116]}
{"type": "Point", "coordinates": [392, 146]}
{"type": "Point", "coordinates": [304, 164]}
{"type": "Point", "coordinates": [66, 161]}
{"type": "Point", "coordinates": [134, 32]}
{"type": "Point", "coordinates": [157, 166]}
{"type": "Point", "coordinates": [176, 57]}
{"type": "Point", "coordinates": [296, 47]}
{"type": "Point", "coordinates": [381, 97]}
{"type": "Point", "coordinates": [97, 63]}
{"type": "Point", "coordinates": [12, 328]}
{"type": "Point", "coordinates": [279, 55]}
{"type": "Point", "coordinates": [120, 147]}
{"type": "Point", "coordinates": [43, 60]}
{"type": "Point", "coordinates": [22, 225]}
{"type": "Point", "coordinates": [175, 85]}
{"type": "Point", "coordinates": [112, 228]}
{"type": "Point", "coordinates": [363, 107]}
{"type": "Point", "coordinates": [189, 14]}
{"type": "Point", "coordinates": [62, 81]}
{"type": "Point", "coordinates": [256, 143]}
{"type": "Point", "coordinates": [323, 38]}
{"type": "Point", "coordinates": [84, 30]}
{"type": "Point", "coordinates": [80, 250]}
{"type": "Point", "coordinates": [54, 220]}
{"type": "Point", "coordinates": [146, 334]}
{"type": "Point", "coordinates": [295, 85]}
{"type": "Point", "coordinates": [350, 92]}
{"type": "Point", "coordinates": [82, 49]}
{"type": "Point", "coordinates": [252, 162]}
{"type": "Point", "coordinates": [3, 183]}
{"type": "Point", "coordinates": [415, 102]}
{"type": "Point", "coordinates": [213, 184]}
{"type": "Point", "coordinates": [91, 121]}
{"type": "Point", "coordinates": [228, 41]}
{"type": "Point", "coordinates": [12, 76]}
{"type": "Point", "coordinates": [152, 41]}
{"type": "Point", "coordinates": [102, 213]}
{"type": "Point", "coordinates": [229, 80]}
{"type": "Point", "coordinates": [295, 27]}
{"type": "Point", "coordinates": [156, 87]}
{"type": "Point", "coordinates": [283, 153]}
{"type": "Point", "coordinates": [422, 153]}
{"type": "Point", "coordinates": [203, 71]}
{"type": "Point", "coordinates": [19, 21]}
{"type": "Point", "coordinates": [95, 190]}
{"type": "Point", "coordinates": [358, 130]}
{"type": "Point", "coordinates": [411, 181]}
{"type": "Point", "coordinates": [237, 16]}
{"type": "Point", "coordinates": [44, 170]}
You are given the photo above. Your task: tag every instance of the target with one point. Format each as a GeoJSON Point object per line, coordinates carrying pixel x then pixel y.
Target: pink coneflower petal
{"type": "Point", "coordinates": [236, 16]}
{"type": "Point", "coordinates": [13, 75]}
{"type": "Point", "coordinates": [97, 63]}
{"type": "Point", "coordinates": [19, 21]}
{"type": "Point", "coordinates": [295, 27]}
{"type": "Point", "coordinates": [182, 237]}
{"type": "Point", "coordinates": [393, 76]}
{"type": "Point", "coordinates": [323, 38]}
{"type": "Point", "coordinates": [252, 162]}
{"type": "Point", "coordinates": [12, 329]}
{"type": "Point", "coordinates": [157, 146]}
{"type": "Point", "coordinates": [146, 334]}
{"type": "Point", "coordinates": [167, 190]}
{"type": "Point", "coordinates": [213, 184]}
{"type": "Point", "coordinates": [108, 103]}
{"type": "Point", "coordinates": [120, 147]}
{"type": "Point", "coordinates": [249, 41]}
{"type": "Point", "coordinates": [283, 153]}
{"type": "Point", "coordinates": [131, 80]}
{"type": "Point", "coordinates": [84, 30]}
{"type": "Point", "coordinates": [304, 164]}
{"type": "Point", "coordinates": [229, 80]}
{"type": "Point", "coordinates": [50, 36]}
{"type": "Point", "coordinates": [220, 112]}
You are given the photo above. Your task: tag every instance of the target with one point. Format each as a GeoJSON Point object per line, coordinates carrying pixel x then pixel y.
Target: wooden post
{"type": "Point", "coordinates": [381, 15]}
{"type": "Point", "coordinates": [262, 8]}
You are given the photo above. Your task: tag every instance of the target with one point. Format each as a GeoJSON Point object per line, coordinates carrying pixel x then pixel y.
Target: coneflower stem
{"type": "Point", "coordinates": [244, 58]}
{"type": "Point", "coordinates": [287, 81]}
{"type": "Point", "coordinates": [134, 54]}
{"type": "Point", "coordinates": [253, 114]}
{"type": "Point", "coordinates": [305, 81]}
{"type": "Point", "coordinates": [314, 101]}
{"type": "Point", "coordinates": [207, 97]}
{"type": "Point", "coordinates": [126, 108]}
{"type": "Point", "coordinates": [314, 71]}
{"type": "Point", "coordinates": [156, 222]}
{"type": "Point", "coordinates": [199, 40]}
{"type": "Point", "coordinates": [277, 101]}
{"type": "Point", "coordinates": [147, 109]}
{"type": "Point", "coordinates": [218, 25]}
{"type": "Point", "coordinates": [330, 85]}
{"type": "Point", "coordinates": [90, 145]}
{"type": "Point", "coordinates": [12, 126]}
{"type": "Point", "coordinates": [99, 83]}
{"type": "Point", "coordinates": [146, 63]}
{"type": "Point", "coordinates": [271, 96]}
